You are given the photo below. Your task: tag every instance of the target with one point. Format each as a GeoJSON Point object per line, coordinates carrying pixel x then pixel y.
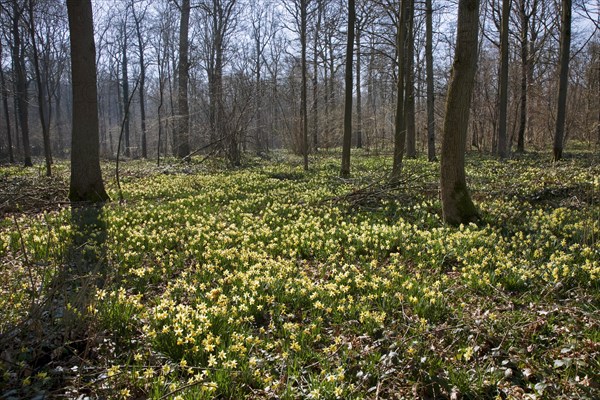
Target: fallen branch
{"type": "Point", "coordinates": [193, 153]}
{"type": "Point", "coordinates": [374, 193]}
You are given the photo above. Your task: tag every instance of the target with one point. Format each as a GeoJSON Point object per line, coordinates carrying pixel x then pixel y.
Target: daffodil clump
{"type": "Point", "coordinates": [264, 283]}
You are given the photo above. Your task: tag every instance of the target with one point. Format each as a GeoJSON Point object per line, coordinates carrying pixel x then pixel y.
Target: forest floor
{"type": "Point", "coordinates": [268, 282]}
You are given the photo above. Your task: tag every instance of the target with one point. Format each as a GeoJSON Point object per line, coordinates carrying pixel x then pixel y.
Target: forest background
{"type": "Point", "coordinates": [242, 257]}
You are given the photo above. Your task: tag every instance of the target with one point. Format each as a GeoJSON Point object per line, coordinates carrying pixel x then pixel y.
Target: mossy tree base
{"type": "Point", "coordinates": [457, 206]}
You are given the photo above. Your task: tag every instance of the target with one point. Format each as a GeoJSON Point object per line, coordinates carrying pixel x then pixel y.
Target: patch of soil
{"type": "Point", "coordinates": [24, 194]}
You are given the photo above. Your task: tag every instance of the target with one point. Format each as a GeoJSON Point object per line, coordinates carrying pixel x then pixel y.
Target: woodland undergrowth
{"type": "Point", "coordinates": [268, 282]}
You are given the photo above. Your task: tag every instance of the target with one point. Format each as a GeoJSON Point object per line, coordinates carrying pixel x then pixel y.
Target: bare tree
{"type": "Point", "coordinates": [315, 75]}
{"type": "Point", "coordinates": [457, 206]}
{"type": "Point", "coordinates": [138, 18]}
{"type": "Point", "coordinates": [565, 47]}
{"type": "Point", "coordinates": [429, 77]}
{"type": "Point", "coordinates": [524, 18]}
{"type": "Point", "coordinates": [22, 104]}
{"type": "Point", "coordinates": [409, 95]}
{"type": "Point", "coordinates": [503, 82]}
{"type": "Point", "coordinates": [86, 177]}
{"type": "Point", "coordinates": [263, 30]}
{"type": "Point", "coordinates": [347, 141]}
{"type": "Point", "coordinates": [125, 85]}
{"type": "Point", "coordinates": [159, 40]}
{"type": "Point", "coordinates": [332, 43]}
{"type": "Point", "coordinates": [400, 120]}
{"type": "Point", "coordinates": [4, 90]}
{"type": "Point", "coordinates": [181, 144]}
{"type": "Point", "coordinates": [299, 12]}
{"type": "Point", "coordinates": [41, 90]}
{"type": "Point", "coordinates": [303, 94]}
{"type": "Point", "coordinates": [220, 21]}
{"type": "Point", "coordinates": [360, 21]}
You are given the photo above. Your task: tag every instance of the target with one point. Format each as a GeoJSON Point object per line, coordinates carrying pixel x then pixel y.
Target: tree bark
{"type": "Point", "coordinates": [40, 92]}
{"type": "Point", "coordinates": [233, 151]}
{"type": "Point", "coordinates": [349, 83]}
{"type": "Point", "coordinates": [260, 145]}
{"type": "Point", "coordinates": [86, 177]}
{"type": "Point", "coordinates": [430, 88]}
{"type": "Point", "coordinates": [142, 84]}
{"type": "Point", "coordinates": [598, 78]}
{"type": "Point", "coordinates": [530, 68]}
{"type": "Point", "coordinates": [565, 46]}
{"type": "Point", "coordinates": [330, 97]}
{"type": "Point", "coordinates": [181, 133]}
{"type": "Point", "coordinates": [524, 18]}
{"type": "Point", "coordinates": [359, 141]}
{"type": "Point", "coordinates": [315, 79]}
{"type": "Point", "coordinates": [159, 108]}
{"type": "Point", "coordinates": [60, 146]}
{"type": "Point", "coordinates": [457, 206]}
{"type": "Point", "coordinates": [21, 84]}
{"type": "Point", "coordinates": [409, 101]}
{"type": "Point", "coordinates": [303, 100]}
{"type": "Point", "coordinates": [400, 118]}
{"type": "Point", "coordinates": [503, 81]}
{"type": "Point", "coordinates": [11, 157]}
{"type": "Point", "coordinates": [371, 102]}
{"type": "Point", "coordinates": [125, 88]}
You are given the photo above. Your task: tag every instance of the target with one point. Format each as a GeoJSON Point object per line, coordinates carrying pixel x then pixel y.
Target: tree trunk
{"type": "Point", "coordinates": [233, 150]}
{"type": "Point", "coordinates": [142, 84]}
{"type": "Point", "coordinates": [60, 147]}
{"type": "Point", "coordinates": [503, 79]}
{"type": "Point", "coordinates": [331, 96]}
{"type": "Point", "coordinates": [400, 119]}
{"type": "Point", "coordinates": [565, 46]}
{"type": "Point", "coordinates": [359, 140]}
{"type": "Point", "coordinates": [161, 88]}
{"type": "Point", "coordinates": [143, 106]}
{"type": "Point", "coordinates": [409, 102]}
{"type": "Point", "coordinates": [40, 91]}
{"type": "Point", "coordinates": [21, 85]}
{"type": "Point", "coordinates": [171, 122]}
{"type": "Point", "coordinates": [598, 78]}
{"type": "Point", "coordinates": [86, 177]}
{"type": "Point", "coordinates": [11, 157]}
{"type": "Point", "coordinates": [371, 105]}
{"type": "Point", "coordinates": [182, 146]}
{"type": "Point", "coordinates": [303, 100]}
{"type": "Point", "coordinates": [315, 79]}
{"type": "Point", "coordinates": [125, 87]}
{"type": "Point", "coordinates": [430, 88]}
{"type": "Point", "coordinates": [326, 99]}
{"type": "Point", "coordinates": [530, 71]}
{"type": "Point", "coordinates": [16, 113]}
{"type": "Point", "coordinates": [457, 206]}
{"type": "Point", "coordinates": [260, 145]}
{"type": "Point", "coordinates": [524, 67]}
{"type": "Point", "coordinates": [347, 141]}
